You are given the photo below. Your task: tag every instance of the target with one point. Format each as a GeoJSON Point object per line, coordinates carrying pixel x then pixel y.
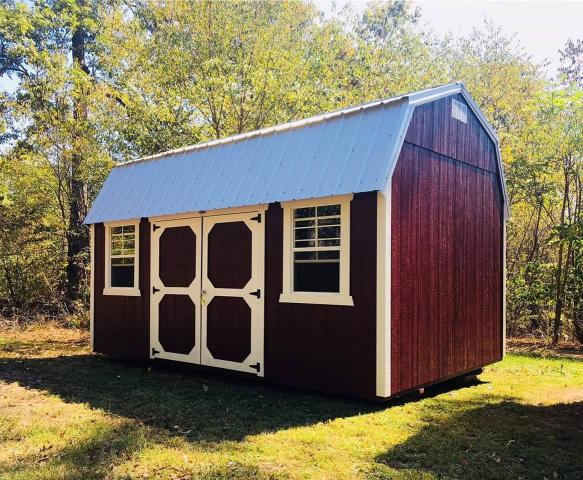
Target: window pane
{"type": "Point", "coordinates": [122, 276]}
{"type": "Point", "coordinates": [329, 232]}
{"type": "Point", "coordinates": [128, 244]}
{"type": "Point", "coordinates": [329, 243]}
{"type": "Point", "coordinates": [324, 256]}
{"type": "Point", "coordinates": [305, 256]}
{"type": "Point", "coordinates": [328, 210]}
{"type": "Point", "coordinates": [122, 261]}
{"type": "Point", "coordinates": [317, 277]}
{"type": "Point", "coordinates": [329, 221]}
{"type": "Point", "coordinates": [129, 228]}
{"type": "Point", "coordinates": [116, 230]}
{"type": "Point", "coordinates": [304, 212]}
{"type": "Point", "coordinates": [304, 243]}
{"type": "Point", "coordinates": [329, 255]}
{"type": "Point", "coordinates": [304, 223]}
{"type": "Point", "coordinates": [304, 233]}
{"type": "Point", "coordinates": [116, 248]}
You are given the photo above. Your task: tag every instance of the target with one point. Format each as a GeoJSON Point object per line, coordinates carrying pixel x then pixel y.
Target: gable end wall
{"type": "Point", "coordinates": [446, 249]}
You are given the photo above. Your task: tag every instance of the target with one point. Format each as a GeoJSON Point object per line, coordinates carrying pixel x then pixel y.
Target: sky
{"type": "Point", "coordinates": [542, 27]}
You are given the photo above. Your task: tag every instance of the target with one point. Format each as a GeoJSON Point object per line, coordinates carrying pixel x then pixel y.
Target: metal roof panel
{"type": "Point", "coordinates": [348, 151]}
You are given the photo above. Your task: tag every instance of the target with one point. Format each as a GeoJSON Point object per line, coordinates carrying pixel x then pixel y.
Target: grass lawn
{"type": "Point", "coordinates": [67, 414]}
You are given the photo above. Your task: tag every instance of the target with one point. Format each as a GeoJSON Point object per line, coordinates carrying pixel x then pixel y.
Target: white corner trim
{"type": "Point", "coordinates": [92, 285]}
{"type": "Point", "coordinates": [383, 294]}
{"type": "Point", "coordinates": [122, 291]}
{"type": "Point", "coordinates": [317, 298]}
{"type": "Point", "coordinates": [320, 298]}
{"type": "Point", "coordinates": [397, 147]}
{"type": "Point", "coordinates": [504, 274]}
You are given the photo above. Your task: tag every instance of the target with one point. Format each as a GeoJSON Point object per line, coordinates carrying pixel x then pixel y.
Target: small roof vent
{"type": "Point", "coordinates": [459, 111]}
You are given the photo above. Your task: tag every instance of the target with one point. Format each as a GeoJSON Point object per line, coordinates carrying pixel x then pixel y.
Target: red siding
{"type": "Point", "coordinates": [325, 347]}
{"type": "Point", "coordinates": [447, 220]}
{"type": "Point", "coordinates": [121, 324]}
{"type": "Point", "coordinates": [433, 128]}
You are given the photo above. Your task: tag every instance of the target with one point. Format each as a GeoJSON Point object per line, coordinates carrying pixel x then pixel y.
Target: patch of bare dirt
{"type": "Point", "coordinates": [541, 347]}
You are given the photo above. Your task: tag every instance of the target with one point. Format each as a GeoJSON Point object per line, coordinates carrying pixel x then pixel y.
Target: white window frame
{"type": "Point", "coordinates": [122, 291]}
{"type": "Point", "coordinates": [288, 295]}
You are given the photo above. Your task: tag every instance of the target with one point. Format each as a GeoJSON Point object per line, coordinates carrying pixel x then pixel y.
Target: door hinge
{"type": "Point", "coordinates": [257, 218]}
{"type": "Point", "coordinates": [256, 293]}
{"type": "Point", "coordinates": [155, 227]}
{"type": "Point", "coordinates": [154, 351]}
{"type": "Point", "coordinates": [154, 290]}
{"type": "Point", "coordinates": [256, 366]}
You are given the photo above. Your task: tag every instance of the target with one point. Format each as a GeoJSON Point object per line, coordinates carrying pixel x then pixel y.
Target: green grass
{"type": "Point", "coordinates": [66, 414]}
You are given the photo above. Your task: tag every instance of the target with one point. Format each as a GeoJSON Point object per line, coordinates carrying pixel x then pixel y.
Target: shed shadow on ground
{"type": "Point", "coordinates": [197, 406]}
{"type": "Point", "coordinates": [505, 440]}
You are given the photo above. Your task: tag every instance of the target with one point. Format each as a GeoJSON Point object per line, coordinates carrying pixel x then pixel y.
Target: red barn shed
{"type": "Point", "coordinates": [360, 252]}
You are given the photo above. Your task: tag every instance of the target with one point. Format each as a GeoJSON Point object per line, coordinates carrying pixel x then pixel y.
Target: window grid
{"type": "Point", "coordinates": [321, 246]}
{"type": "Point", "coordinates": [123, 245]}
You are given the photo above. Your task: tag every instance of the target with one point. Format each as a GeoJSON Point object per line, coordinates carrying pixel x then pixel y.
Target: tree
{"type": "Point", "coordinates": [572, 62]}
{"type": "Point", "coordinates": [45, 47]}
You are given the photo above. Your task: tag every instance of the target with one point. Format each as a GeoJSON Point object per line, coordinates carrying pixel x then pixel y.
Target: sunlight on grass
{"type": "Point", "coordinates": [67, 414]}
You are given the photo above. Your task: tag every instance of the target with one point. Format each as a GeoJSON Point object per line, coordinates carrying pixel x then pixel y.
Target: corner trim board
{"type": "Point", "coordinates": [383, 295]}
{"type": "Point", "coordinates": [92, 286]}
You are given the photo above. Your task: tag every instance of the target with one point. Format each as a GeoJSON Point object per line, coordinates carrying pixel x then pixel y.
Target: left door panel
{"type": "Point", "coordinates": [175, 293]}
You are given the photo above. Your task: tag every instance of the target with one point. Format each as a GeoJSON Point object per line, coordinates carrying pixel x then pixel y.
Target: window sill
{"type": "Point", "coordinates": [122, 291]}
{"type": "Point", "coordinates": [317, 298]}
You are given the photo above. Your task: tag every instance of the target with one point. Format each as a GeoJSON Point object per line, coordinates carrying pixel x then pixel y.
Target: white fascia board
{"type": "Point", "coordinates": [397, 146]}
{"type": "Point", "coordinates": [426, 96]}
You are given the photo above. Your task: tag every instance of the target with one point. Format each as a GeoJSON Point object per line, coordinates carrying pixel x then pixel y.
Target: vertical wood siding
{"type": "Point", "coordinates": [122, 324]}
{"type": "Point", "coordinates": [326, 347]}
{"type": "Point", "coordinates": [447, 221]}
{"type": "Point", "coordinates": [433, 128]}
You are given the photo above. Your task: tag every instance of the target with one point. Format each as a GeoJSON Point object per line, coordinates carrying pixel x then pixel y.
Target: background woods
{"type": "Point", "coordinates": [99, 82]}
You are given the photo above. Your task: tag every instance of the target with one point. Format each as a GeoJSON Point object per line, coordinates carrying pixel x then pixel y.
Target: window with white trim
{"type": "Point", "coordinates": [316, 246]}
{"type": "Point", "coordinates": [121, 269]}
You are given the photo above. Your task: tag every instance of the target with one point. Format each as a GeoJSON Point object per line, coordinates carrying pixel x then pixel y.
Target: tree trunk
{"type": "Point", "coordinates": [560, 290]}
{"type": "Point", "coordinates": [534, 307]}
{"type": "Point", "coordinates": [77, 233]}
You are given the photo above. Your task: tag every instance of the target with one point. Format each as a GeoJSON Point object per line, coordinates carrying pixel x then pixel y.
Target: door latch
{"type": "Point", "coordinates": [256, 293]}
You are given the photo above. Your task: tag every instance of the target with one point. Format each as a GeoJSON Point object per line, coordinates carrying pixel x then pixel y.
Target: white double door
{"type": "Point", "coordinates": [207, 290]}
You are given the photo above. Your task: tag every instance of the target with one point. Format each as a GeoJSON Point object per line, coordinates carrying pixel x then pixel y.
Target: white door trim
{"type": "Point", "coordinates": [193, 290]}
{"type": "Point", "coordinates": [255, 283]}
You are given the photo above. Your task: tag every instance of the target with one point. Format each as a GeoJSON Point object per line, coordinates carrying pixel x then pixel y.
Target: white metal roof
{"type": "Point", "coordinates": [347, 151]}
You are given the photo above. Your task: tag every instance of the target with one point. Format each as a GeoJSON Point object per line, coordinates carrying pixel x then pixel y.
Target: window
{"type": "Point", "coordinates": [121, 248]}
{"type": "Point", "coordinates": [459, 111]}
{"type": "Point", "coordinates": [316, 246]}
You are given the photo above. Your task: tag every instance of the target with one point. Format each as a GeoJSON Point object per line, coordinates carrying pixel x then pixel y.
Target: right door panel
{"type": "Point", "coordinates": [231, 292]}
